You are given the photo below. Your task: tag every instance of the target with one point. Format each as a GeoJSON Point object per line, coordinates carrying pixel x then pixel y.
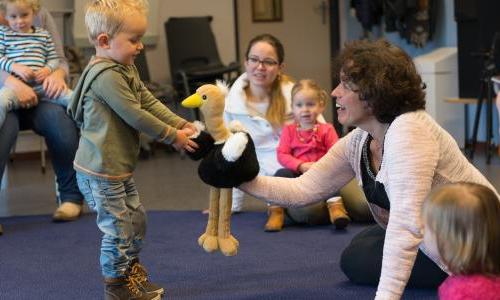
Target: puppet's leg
{"type": "Point", "coordinates": [208, 240]}
{"type": "Point", "coordinates": [227, 243]}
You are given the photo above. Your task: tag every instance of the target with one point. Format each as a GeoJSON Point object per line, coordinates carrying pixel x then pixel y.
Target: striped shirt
{"type": "Point", "coordinates": [34, 49]}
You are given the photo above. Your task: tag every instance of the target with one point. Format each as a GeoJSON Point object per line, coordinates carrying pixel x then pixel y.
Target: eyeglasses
{"type": "Point", "coordinates": [255, 61]}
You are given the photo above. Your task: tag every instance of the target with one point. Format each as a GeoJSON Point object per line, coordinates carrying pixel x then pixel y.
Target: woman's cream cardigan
{"type": "Point", "coordinates": [418, 156]}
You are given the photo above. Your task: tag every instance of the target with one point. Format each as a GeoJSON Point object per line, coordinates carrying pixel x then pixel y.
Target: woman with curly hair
{"type": "Point", "coordinates": [398, 153]}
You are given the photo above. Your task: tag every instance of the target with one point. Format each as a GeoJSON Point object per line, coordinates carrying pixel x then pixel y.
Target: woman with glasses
{"type": "Point", "coordinates": [260, 100]}
{"type": "Point", "coordinates": [398, 153]}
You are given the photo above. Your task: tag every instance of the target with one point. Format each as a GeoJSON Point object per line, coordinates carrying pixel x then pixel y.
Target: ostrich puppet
{"type": "Point", "coordinates": [229, 159]}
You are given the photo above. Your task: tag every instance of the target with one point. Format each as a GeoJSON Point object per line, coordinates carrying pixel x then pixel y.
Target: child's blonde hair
{"type": "Point", "coordinates": [34, 4]}
{"type": "Point", "coordinates": [107, 16]}
{"type": "Point", "coordinates": [304, 84]}
{"type": "Point", "coordinates": [465, 220]}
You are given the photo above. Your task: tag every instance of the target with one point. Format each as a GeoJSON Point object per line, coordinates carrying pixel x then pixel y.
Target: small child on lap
{"type": "Point", "coordinates": [112, 106]}
{"type": "Point", "coordinates": [27, 52]}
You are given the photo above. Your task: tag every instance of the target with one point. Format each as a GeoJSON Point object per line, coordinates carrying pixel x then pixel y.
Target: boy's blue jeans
{"type": "Point", "coordinates": [121, 218]}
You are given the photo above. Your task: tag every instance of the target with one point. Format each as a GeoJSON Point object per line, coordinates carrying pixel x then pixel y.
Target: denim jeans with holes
{"type": "Point", "coordinates": [121, 218]}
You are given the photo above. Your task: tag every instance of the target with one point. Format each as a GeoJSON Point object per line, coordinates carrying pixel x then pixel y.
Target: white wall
{"type": "Point", "coordinates": [305, 35]}
{"type": "Point", "coordinates": [159, 12]}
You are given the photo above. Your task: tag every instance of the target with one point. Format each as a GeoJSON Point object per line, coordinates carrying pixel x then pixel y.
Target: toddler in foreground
{"type": "Point", "coordinates": [463, 221]}
{"type": "Point", "coordinates": [111, 106]}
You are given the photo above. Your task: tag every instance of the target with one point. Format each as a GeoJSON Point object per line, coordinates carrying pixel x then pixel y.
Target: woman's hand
{"type": "Point", "coordinates": [24, 93]}
{"type": "Point", "coordinates": [54, 85]}
{"type": "Point", "coordinates": [41, 74]}
{"type": "Point", "coordinates": [23, 71]}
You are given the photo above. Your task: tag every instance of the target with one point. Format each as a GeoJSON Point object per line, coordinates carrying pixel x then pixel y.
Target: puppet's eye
{"type": "Point", "coordinates": [204, 97]}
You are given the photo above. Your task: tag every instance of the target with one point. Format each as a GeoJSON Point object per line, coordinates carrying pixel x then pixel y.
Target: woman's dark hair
{"type": "Point", "coordinates": [271, 40]}
{"type": "Point", "coordinates": [385, 77]}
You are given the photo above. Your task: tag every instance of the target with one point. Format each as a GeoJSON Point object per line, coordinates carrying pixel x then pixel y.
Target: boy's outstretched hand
{"type": "Point", "coordinates": [190, 126]}
{"type": "Point", "coordinates": [182, 141]}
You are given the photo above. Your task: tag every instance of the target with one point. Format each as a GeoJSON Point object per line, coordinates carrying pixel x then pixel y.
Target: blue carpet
{"type": "Point", "coordinates": [44, 260]}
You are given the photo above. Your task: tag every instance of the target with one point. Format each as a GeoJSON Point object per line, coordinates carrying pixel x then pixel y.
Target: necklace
{"type": "Point", "coordinates": [366, 148]}
{"type": "Point", "coordinates": [366, 160]}
{"type": "Point", "coordinates": [310, 137]}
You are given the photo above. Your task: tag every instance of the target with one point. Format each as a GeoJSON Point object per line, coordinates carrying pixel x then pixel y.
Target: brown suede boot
{"type": "Point", "coordinates": [126, 288]}
{"type": "Point", "coordinates": [276, 219]}
{"type": "Point", "coordinates": [338, 213]}
{"type": "Point", "coordinates": [140, 274]}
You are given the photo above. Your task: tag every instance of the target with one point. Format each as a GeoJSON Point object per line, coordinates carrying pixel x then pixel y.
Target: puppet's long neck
{"type": "Point", "coordinates": [216, 128]}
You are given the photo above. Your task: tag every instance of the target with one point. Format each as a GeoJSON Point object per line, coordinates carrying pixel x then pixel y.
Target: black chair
{"type": "Point", "coordinates": [194, 58]}
{"type": "Point", "coordinates": [162, 91]}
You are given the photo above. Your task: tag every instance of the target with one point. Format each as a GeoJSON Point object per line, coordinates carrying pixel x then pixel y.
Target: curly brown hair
{"type": "Point", "coordinates": [385, 77]}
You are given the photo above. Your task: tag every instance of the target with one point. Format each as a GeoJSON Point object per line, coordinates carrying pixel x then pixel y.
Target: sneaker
{"type": "Point", "coordinates": [276, 219]}
{"type": "Point", "coordinates": [126, 288]}
{"type": "Point", "coordinates": [338, 213]}
{"type": "Point", "coordinates": [140, 275]}
{"type": "Point", "coordinates": [68, 211]}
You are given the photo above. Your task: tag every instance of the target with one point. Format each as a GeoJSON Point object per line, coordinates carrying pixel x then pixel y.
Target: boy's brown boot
{"type": "Point", "coordinates": [338, 213]}
{"type": "Point", "coordinates": [140, 274]}
{"type": "Point", "coordinates": [276, 219]}
{"type": "Point", "coordinates": [126, 288]}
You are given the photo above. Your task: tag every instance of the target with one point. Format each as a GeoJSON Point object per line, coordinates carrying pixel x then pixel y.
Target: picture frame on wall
{"type": "Point", "coordinates": [267, 11]}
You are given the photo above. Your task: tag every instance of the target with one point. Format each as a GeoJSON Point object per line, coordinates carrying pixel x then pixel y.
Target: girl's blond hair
{"type": "Point", "coordinates": [465, 220]}
{"type": "Point", "coordinates": [34, 4]}
{"type": "Point", "coordinates": [107, 16]}
{"type": "Point", "coordinates": [304, 84]}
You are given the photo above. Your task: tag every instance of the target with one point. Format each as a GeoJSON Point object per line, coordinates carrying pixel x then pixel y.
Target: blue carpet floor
{"type": "Point", "coordinates": [44, 260]}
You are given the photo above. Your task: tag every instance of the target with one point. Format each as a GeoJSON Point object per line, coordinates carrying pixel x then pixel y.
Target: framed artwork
{"type": "Point", "coordinates": [267, 11]}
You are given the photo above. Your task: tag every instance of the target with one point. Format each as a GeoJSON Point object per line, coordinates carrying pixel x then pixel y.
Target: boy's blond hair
{"type": "Point", "coordinates": [305, 84]}
{"type": "Point", "coordinates": [107, 16]}
{"type": "Point", "coordinates": [34, 4]}
{"type": "Point", "coordinates": [464, 218]}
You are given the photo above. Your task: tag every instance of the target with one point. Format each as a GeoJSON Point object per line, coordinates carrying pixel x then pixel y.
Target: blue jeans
{"type": "Point", "coordinates": [61, 136]}
{"type": "Point", "coordinates": [121, 218]}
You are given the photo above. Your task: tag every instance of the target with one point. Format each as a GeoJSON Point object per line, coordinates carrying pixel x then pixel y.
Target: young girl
{"type": "Point", "coordinates": [462, 221]}
{"type": "Point", "coordinates": [304, 142]}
